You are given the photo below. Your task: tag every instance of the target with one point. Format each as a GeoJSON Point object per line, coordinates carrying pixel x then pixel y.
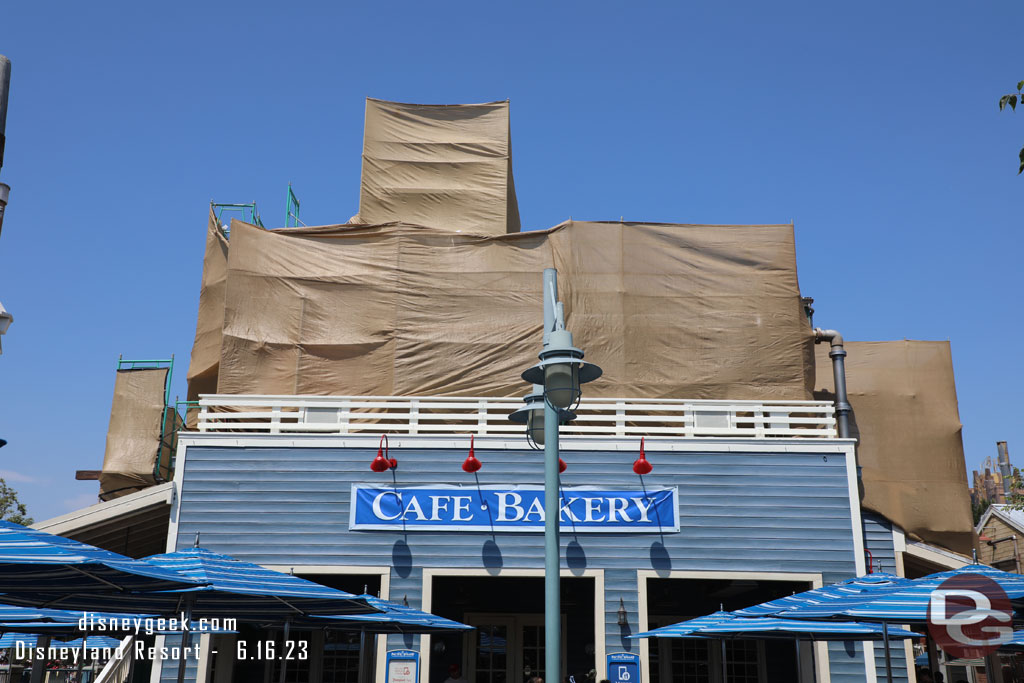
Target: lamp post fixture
{"type": "Point", "coordinates": [556, 381]}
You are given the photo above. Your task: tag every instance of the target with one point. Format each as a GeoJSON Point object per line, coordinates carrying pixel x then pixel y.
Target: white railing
{"type": "Point", "coordinates": [595, 417]}
{"type": "Point", "coordinates": [119, 668]}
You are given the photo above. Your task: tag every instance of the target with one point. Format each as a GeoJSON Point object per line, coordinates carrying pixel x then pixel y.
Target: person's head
{"type": "Point", "coordinates": [938, 677]}
{"type": "Point", "coordinates": [454, 670]}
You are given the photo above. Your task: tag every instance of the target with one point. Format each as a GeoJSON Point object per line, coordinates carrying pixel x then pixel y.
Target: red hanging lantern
{"type": "Point", "coordinates": [471, 464]}
{"type": "Point", "coordinates": [382, 463]}
{"type": "Point", "coordinates": [561, 466]}
{"type": "Point", "coordinates": [641, 466]}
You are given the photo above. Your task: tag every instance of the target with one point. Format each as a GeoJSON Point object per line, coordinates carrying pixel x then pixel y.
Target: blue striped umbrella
{"type": "Point", "coordinates": [768, 627]}
{"type": "Point", "coordinates": [730, 625]}
{"type": "Point", "coordinates": [727, 625]}
{"type": "Point", "coordinates": [228, 587]}
{"type": "Point", "coordinates": [909, 604]}
{"type": "Point", "coordinates": [905, 605]}
{"type": "Point", "coordinates": [857, 588]}
{"type": "Point", "coordinates": [240, 589]}
{"type": "Point", "coordinates": [394, 617]}
{"type": "Point", "coordinates": [1016, 643]}
{"type": "Point", "coordinates": [29, 640]}
{"type": "Point", "coordinates": [36, 566]}
{"type": "Point", "coordinates": [233, 589]}
{"type": "Point", "coordinates": [686, 628]}
{"type": "Point", "coordinates": [9, 613]}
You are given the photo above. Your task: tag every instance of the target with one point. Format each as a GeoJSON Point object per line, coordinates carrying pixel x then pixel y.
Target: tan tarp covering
{"type": "Point", "coordinates": [684, 311]}
{"type": "Point", "coordinates": [133, 438]}
{"type": "Point", "coordinates": [905, 415]}
{"type": "Point", "coordinates": [442, 165]}
{"type": "Point", "coordinates": [202, 370]}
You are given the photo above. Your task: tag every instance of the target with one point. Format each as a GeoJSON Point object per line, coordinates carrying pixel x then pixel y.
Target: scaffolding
{"type": "Point", "coordinates": [291, 217]}
{"type": "Point", "coordinates": [247, 213]}
{"type": "Point", "coordinates": [170, 421]}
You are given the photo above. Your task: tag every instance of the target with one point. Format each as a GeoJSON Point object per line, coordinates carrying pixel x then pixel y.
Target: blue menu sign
{"type": "Point", "coordinates": [402, 666]}
{"type": "Point", "coordinates": [623, 667]}
{"type": "Point", "coordinates": [511, 508]}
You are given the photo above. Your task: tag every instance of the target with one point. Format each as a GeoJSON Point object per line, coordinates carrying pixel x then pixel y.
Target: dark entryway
{"type": "Point", "coordinates": [678, 660]}
{"type": "Point", "coordinates": [508, 645]}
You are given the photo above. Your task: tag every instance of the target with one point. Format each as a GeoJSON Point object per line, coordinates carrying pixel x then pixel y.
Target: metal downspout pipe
{"type": "Point", "coordinates": [1016, 549]}
{"type": "Point", "coordinates": [1005, 470]}
{"type": "Point", "coordinates": [838, 355]}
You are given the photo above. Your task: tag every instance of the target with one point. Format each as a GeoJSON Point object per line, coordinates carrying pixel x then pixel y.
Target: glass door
{"type": "Point", "coordinates": [492, 643]}
{"type": "Point", "coordinates": [531, 649]}
{"type": "Point", "coordinates": [508, 648]}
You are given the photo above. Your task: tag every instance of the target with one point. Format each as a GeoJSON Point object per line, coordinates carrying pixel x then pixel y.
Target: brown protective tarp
{"type": "Point", "coordinates": [680, 311]}
{"type": "Point", "coordinates": [447, 166]}
{"type": "Point", "coordinates": [134, 435]}
{"type": "Point", "coordinates": [910, 451]}
{"type": "Point", "coordinates": [202, 370]}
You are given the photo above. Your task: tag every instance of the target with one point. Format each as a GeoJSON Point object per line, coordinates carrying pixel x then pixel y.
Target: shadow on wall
{"type": "Point", "coordinates": [660, 560]}
{"type": "Point", "coordinates": [401, 558]}
{"type": "Point", "coordinates": [492, 559]}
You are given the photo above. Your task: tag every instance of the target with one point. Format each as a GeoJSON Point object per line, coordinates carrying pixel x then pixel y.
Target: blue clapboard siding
{"type": "Point", "coordinates": [878, 539]}
{"type": "Point", "coordinates": [169, 670]}
{"type": "Point", "coordinates": [764, 512]}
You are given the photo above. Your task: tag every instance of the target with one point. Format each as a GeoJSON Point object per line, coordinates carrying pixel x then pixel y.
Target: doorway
{"type": "Point", "coordinates": [508, 612]}
{"type": "Point", "coordinates": [674, 660]}
{"type": "Point", "coordinates": [507, 648]}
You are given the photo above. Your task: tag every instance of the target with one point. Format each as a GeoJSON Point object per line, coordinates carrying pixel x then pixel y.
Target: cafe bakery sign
{"type": "Point", "coordinates": [511, 508]}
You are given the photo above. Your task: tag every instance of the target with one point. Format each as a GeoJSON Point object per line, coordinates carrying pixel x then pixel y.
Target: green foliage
{"type": "Point", "coordinates": [978, 509]}
{"type": "Point", "coordinates": [11, 508]}
{"type": "Point", "coordinates": [1012, 99]}
{"type": "Point", "coordinates": [1015, 501]}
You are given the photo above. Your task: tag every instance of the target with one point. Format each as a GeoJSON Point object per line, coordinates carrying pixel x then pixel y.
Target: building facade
{"type": "Point", "coordinates": [755, 512]}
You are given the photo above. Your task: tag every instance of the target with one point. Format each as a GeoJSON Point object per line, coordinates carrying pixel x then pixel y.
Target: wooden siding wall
{"type": "Point", "coordinates": [752, 511]}
{"type": "Point", "coordinates": [1001, 554]}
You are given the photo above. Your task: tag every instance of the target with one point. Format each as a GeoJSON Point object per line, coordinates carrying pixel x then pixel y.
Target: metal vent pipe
{"type": "Point", "coordinates": [1005, 471]}
{"type": "Point", "coordinates": [838, 355]}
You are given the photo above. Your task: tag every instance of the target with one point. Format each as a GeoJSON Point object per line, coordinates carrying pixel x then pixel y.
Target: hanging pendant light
{"type": "Point", "coordinates": [471, 464]}
{"type": "Point", "coordinates": [640, 465]}
{"type": "Point", "coordinates": [382, 463]}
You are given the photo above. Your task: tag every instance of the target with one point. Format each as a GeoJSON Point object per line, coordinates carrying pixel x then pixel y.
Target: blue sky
{"type": "Point", "coordinates": [872, 126]}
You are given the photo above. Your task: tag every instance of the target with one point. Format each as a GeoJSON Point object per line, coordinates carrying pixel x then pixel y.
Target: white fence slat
{"type": "Point", "coordinates": [600, 417]}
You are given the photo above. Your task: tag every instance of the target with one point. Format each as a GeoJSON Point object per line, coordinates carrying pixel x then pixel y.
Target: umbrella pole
{"type": "Point", "coordinates": [81, 662]}
{"type": "Point", "coordinates": [39, 663]}
{"type": "Point", "coordinates": [933, 657]}
{"type": "Point", "coordinates": [888, 657]}
{"type": "Point", "coordinates": [363, 673]}
{"type": "Point", "coordinates": [724, 667]}
{"type": "Point", "coordinates": [284, 650]}
{"type": "Point", "coordinates": [184, 639]}
{"type": "Point", "coordinates": [799, 664]}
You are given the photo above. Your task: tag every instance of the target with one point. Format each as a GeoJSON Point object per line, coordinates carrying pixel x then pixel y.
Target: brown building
{"type": "Point", "coordinates": [993, 483]}
{"type": "Point", "coordinates": [1000, 535]}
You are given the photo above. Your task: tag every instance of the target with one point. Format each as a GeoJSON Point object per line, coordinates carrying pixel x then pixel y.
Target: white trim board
{"type": "Point", "coordinates": [705, 444]}
{"type": "Point", "coordinates": [936, 555]}
{"type": "Point", "coordinates": [95, 515]}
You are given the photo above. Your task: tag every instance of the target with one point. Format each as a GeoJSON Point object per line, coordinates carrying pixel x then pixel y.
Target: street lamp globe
{"type": "Point", "coordinates": [562, 370]}
{"type": "Point", "coordinates": [532, 415]}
